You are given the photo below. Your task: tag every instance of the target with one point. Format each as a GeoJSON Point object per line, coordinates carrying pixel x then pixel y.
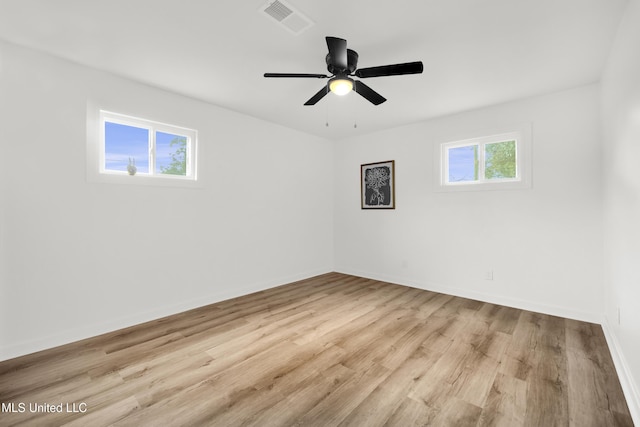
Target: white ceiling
{"type": "Point", "coordinates": [475, 52]}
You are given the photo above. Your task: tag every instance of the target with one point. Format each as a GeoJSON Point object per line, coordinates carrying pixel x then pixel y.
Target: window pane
{"type": "Point", "coordinates": [171, 154]}
{"type": "Point", "coordinates": [463, 163]}
{"type": "Point", "coordinates": [122, 143]}
{"type": "Point", "coordinates": [500, 160]}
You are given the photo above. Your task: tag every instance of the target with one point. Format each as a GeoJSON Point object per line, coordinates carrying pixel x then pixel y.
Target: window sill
{"type": "Point", "coordinates": [483, 186]}
{"type": "Point", "coordinates": [149, 181]}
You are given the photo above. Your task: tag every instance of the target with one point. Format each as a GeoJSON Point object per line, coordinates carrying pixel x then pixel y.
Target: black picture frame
{"type": "Point", "coordinates": [377, 185]}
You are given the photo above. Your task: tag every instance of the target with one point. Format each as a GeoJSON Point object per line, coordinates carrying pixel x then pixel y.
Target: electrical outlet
{"type": "Point", "coordinates": [488, 275]}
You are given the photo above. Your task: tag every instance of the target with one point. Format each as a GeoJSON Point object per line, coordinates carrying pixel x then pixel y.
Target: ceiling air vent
{"type": "Point", "coordinates": [286, 16]}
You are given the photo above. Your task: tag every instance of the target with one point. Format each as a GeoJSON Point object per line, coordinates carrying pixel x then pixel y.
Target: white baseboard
{"type": "Point", "coordinates": [479, 296]}
{"type": "Point", "coordinates": [629, 387]}
{"type": "Point", "coordinates": [87, 331]}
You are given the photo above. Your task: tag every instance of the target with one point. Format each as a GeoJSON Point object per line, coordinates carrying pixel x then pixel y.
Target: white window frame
{"type": "Point", "coordinates": [521, 135]}
{"type": "Point", "coordinates": [96, 171]}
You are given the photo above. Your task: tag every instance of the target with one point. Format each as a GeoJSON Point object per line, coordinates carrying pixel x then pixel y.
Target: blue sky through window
{"type": "Point", "coordinates": [462, 163]}
{"type": "Point", "coordinates": [122, 142]}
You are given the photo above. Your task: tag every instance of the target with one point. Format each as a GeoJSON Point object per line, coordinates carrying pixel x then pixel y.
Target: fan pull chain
{"type": "Point", "coordinates": [326, 115]}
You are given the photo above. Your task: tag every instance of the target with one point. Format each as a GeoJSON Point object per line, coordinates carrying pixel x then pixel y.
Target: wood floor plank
{"type": "Point", "coordinates": [457, 413]}
{"type": "Point", "coordinates": [548, 380]}
{"type": "Point", "coordinates": [436, 387]}
{"type": "Point", "coordinates": [409, 343]}
{"type": "Point", "coordinates": [323, 362]}
{"type": "Point", "coordinates": [382, 403]}
{"type": "Point", "coordinates": [518, 361]}
{"type": "Point", "coordinates": [43, 372]}
{"type": "Point", "coordinates": [506, 403]}
{"type": "Point", "coordinates": [479, 371]}
{"type": "Point", "coordinates": [302, 398]}
{"type": "Point", "coordinates": [107, 415]}
{"type": "Point", "coordinates": [335, 407]}
{"type": "Point", "coordinates": [376, 346]}
{"type": "Point", "coordinates": [330, 350]}
{"type": "Point", "coordinates": [411, 413]}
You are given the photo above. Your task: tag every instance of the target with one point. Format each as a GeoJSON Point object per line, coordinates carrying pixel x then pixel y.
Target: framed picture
{"type": "Point", "coordinates": [377, 184]}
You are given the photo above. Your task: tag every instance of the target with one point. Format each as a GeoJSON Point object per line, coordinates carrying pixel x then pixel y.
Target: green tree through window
{"type": "Point", "coordinates": [500, 160]}
{"type": "Point", "coordinates": [178, 165]}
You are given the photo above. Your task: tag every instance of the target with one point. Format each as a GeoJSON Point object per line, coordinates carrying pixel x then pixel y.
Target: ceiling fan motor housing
{"type": "Point", "coordinates": [352, 61]}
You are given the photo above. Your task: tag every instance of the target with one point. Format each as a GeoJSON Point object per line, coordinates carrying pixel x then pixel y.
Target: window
{"type": "Point", "coordinates": [143, 148]}
{"type": "Point", "coordinates": [497, 161]}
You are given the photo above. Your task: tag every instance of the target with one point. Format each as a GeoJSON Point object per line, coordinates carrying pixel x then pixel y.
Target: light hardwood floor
{"type": "Point", "coordinates": [331, 350]}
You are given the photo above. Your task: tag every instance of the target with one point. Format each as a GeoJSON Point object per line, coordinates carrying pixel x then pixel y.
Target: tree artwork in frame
{"type": "Point", "coordinates": [377, 182]}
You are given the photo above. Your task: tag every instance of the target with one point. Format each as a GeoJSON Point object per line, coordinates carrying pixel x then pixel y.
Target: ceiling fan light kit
{"type": "Point", "coordinates": [341, 85]}
{"type": "Point", "coordinates": [343, 63]}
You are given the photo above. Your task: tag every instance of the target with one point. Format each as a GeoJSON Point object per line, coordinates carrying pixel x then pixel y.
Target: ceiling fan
{"type": "Point", "coordinates": [343, 63]}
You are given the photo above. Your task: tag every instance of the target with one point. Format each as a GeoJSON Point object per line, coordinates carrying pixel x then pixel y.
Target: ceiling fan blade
{"type": "Point", "coordinates": [391, 70]}
{"type": "Point", "coordinates": [314, 76]}
{"type": "Point", "coordinates": [338, 52]}
{"type": "Point", "coordinates": [318, 96]}
{"type": "Point", "coordinates": [374, 97]}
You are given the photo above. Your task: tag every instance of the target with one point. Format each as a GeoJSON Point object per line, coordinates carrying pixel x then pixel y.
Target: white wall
{"type": "Point", "coordinates": [543, 244]}
{"type": "Point", "coordinates": [621, 154]}
{"type": "Point", "coordinates": [80, 258]}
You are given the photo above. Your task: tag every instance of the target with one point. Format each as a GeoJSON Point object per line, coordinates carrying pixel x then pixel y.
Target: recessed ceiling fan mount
{"type": "Point", "coordinates": [342, 63]}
